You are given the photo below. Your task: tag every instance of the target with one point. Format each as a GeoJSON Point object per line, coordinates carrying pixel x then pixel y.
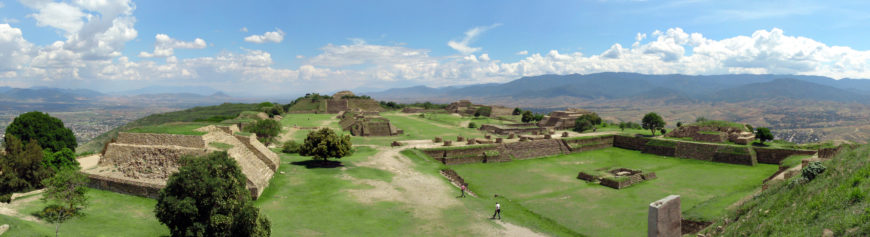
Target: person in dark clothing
{"type": "Point", "coordinates": [497, 211]}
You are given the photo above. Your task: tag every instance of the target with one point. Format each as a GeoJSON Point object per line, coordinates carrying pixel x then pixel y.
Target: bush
{"type": "Point", "coordinates": [517, 111]}
{"type": "Point", "coordinates": [528, 116]}
{"type": "Point", "coordinates": [208, 197]}
{"type": "Point", "coordinates": [592, 117]}
{"type": "Point", "coordinates": [856, 195]}
{"type": "Point", "coordinates": [6, 198]}
{"type": "Point", "coordinates": [764, 134]}
{"type": "Point", "coordinates": [664, 131]}
{"type": "Point", "coordinates": [813, 170]}
{"type": "Point", "coordinates": [324, 143]}
{"type": "Point", "coordinates": [265, 129]}
{"type": "Point", "coordinates": [63, 159]}
{"type": "Point", "coordinates": [290, 147]}
{"type": "Point", "coordinates": [472, 125]}
{"type": "Point", "coordinates": [679, 124]}
{"type": "Point", "coordinates": [484, 111]}
{"type": "Point", "coordinates": [582, 125]}
{"type": "Point", "coordinates": [48, 131]}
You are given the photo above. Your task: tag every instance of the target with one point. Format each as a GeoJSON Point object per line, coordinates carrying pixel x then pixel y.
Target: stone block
{"type": "Point", "coordinates": [460, 138]}
{"type": "Point", "coordinates": [664, 219]}
{"type": "Point", "coordinates": [438, 139]}
{"type": "Point", "coordinates": [499, 140]}
{"type": "Point", "coordinates": [564, 134]}
{"type": "Point", "coordinates": [448, 143]}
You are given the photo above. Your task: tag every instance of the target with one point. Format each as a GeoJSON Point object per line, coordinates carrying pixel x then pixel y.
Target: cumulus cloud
{"type": "Point", "coordinates": [272, 36]}
{"type": "Point", "coordinates": [470, 35]}
{"type": "Point", "coordinates": [164, 46]}
{"type": "Point", "coordinates": [524, 52]}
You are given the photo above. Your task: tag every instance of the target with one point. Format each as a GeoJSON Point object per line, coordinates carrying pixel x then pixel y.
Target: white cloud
{"type": "Point", "coordinates": [14, 49]}
{"type": "Point", "coordinates": [244, 29]}
{"type": "Point", "coordinates": [164, 46]}
{"type": "Point", "coordinates": [524, 52]}
{"type": "Point", "coordinates": [272, 36]}
{"type": "Point", "coordinates": [470, 35]}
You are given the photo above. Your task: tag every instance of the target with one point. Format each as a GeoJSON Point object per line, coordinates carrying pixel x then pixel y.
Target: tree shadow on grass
{"type": "Point", "coordinates": [312, 164]}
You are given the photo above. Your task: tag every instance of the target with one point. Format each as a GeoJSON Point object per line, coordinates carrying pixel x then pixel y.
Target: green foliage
{"type": "Point", "coordinates": [48, 131]}
{"type": "Point", "coordinates": [207, 197]}
{"type": "Point", "coordinates": [56, 214]}
{"type": "Point", "coordinates": [183, 128]}
{"type": "Point", "coordinates": [67, 190]}
{"type": "Point", "coordinates": [679, 124]}
{"type": "Point", "coordinates": [663, 131]}
{"type": "Point", "coordinates": [751, 129]}
{"type": "Point", "coordinates": [517, 111]}
{"type": "Point", "coordinates": [472, 125]}
{"type": "Point", "coordinates": [214, 119]}
{"type": "Point", "coordinates": [700, 119]}
{"type": "Point", "coordinates": [484, 111]}
{"type": "Point", "coordinates": [813, 170]}
{"type": "Point", "coordinates": [21, 169]}
{"type": "Point", "coordinates": [272, 109]}
{"type": "Point", "coordinates": [591, 117]}
{"type": "Point", "coordinates": [763, 134]}
{"type": "Point", "coordinates": [721, 124]}
{"type": "Point", "coordinates": [325, 143]}
{"type": "Point", "coordinates": [63, 159]}
{"type": "Point", "coordinates": [653, 122]}
{"type": "Point", "coordinates": [528, 116]}
{"type": "Point", "coordinates": [290, 147]}
{"type": "Point", "coordinates": [582, 125]}
{"type": "Point", "coordinates": [539, 117]}
{"type": "Point", "coordinates": [491, 153]}
{"type": "Point", "coordinates": [265, 129]}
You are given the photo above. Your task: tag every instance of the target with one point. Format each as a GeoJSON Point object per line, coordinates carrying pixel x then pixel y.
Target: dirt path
{"type": "Point", "coordinates": [11, 208]}
{"type": "Point", "coordinates": [90, 161]}
{"type": "Point", "coordinates": [428, 194]}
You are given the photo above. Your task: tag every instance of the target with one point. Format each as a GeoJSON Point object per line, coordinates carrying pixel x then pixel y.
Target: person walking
{"type": "Point", "coordinates": [462, 189]}
{"type": "Point", "coordinates": [497, 211]}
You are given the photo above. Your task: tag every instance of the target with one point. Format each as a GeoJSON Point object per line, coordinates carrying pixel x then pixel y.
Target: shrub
{"type": "Point", "coordinates": [290, 147]}
{"type": "Point", "coordinates": [582, 125]}
{"type": "Point", "coordinates": [325, 143]}
{"type": "Point", "coordinates": [664, 131]}
{"type": "Point", "coordinates": [679, 124]}
{"type": "Point", "coordinates": [653, 122]}
{"type": "Point", "coordinates": [517, 111]}
{"type": "Point", "coordinates": [6, 198]}
{"type": "Point", "coordinates": [472, 125]}
{"type": "Point", "coordinates": [63, 159]}
{"type": "Point", "coordinates": [813, 170]}
{"type": "Point", "coordinates": [764, 134]}
{"type": "Point", "coordinates": [265, 129]}
{"type": "Point", "coordinates": [40, 127]}
{"type": "Point", "coordinates": [592, 117]}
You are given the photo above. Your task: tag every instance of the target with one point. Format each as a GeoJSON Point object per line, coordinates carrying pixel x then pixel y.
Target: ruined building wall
{"type": "Point", "coordinates": [153, 139]}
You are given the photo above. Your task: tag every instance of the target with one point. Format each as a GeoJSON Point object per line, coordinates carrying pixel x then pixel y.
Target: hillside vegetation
{"type": "Point", "coordinates": [203, 113]}
{"type": "Point", "coordinates": [835, 201]}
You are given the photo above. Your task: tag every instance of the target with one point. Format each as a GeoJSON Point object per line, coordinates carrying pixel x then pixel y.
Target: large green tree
{"type": "Point", "coordinates": [324, 143]}
{"type": "Point", "coordinates": [592, 118]}
{"type": "Point", "coordinates": [528, 116]}
{"type": "Point", "coordinates": [67, 188]}
{"type": "Point", "coordinates": [48, 131]}
{"type": "Point", "coordinates": [653, 122]}
{"type": "Point", "coordinates": [63, 159]}
{"type": "Point", "coordinates": [582, 125]}
{"type": "Point", "coordinates": [21, 169]}
{"type": "Point", "coordinates": [207, 197]}
{"type": "Point", "coordinates": [266, 129]}
{"type": "Point", "coordinates": [764, 134]}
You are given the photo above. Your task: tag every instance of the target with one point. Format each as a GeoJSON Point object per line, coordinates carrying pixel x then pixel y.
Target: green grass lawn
{"type": "Point", "coordinates": [183, 128]}
{"type": "Point", "coordinates": [109, 214]}
{"type": "Point", "coordinates": [416, 128]}
{"type": "Point", "coordinates": [305, 120]}
{"type": "Point", "coordinates": [318, 201]}
{"type": "Point", "coordinates": [549, 187]}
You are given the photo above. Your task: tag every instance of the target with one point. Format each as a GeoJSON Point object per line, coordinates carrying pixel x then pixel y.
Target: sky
{"type": "Point", "coordinates": [269, 48]}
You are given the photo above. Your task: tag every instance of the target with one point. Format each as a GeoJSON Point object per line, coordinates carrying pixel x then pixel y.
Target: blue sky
{"type": "Point", "coordinates": [291, 47]}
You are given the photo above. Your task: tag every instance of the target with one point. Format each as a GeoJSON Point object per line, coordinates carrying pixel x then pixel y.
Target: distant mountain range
{"type": "Point", "coordinates": [553, 89]}
{"type": "Point", "coordinates": [57, 99]}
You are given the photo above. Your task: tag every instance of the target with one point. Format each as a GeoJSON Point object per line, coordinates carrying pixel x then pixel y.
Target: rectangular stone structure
{"type": "Point", "coordinates": [664, 218]}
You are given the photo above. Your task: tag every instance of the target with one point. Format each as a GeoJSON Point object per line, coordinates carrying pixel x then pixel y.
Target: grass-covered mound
{"type": "Point", "coordinates": [179, 120]}
{"type": "Point", "coordinates": [835, 200]}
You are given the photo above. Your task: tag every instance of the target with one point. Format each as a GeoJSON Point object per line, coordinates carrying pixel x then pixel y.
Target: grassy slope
{"type": "Point", "coordinates": [417, 129]}
{"type": "Point", "coordinates": [836, 200]}
{"type": "Point", "coordinates": [549, 187]}
{"type": "Point", "coordinates": [188, 115]}
{"type": "Point", "coordinates": [103, 217]}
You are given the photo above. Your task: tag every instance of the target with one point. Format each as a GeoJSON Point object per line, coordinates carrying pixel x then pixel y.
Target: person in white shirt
{"type": "Point", "coordinates": [497, 211]}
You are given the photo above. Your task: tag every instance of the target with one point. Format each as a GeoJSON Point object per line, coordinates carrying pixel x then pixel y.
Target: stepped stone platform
{"type": "Point", "coordinates": [141, 163]}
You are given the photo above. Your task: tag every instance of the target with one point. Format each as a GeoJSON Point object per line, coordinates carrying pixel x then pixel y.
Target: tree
{"type": "Point", "coordinates": [21, 169]}
{"type": "Point", "coordinates": [290, 147]}
{"type": "Point", "coordinates": [582, 125]}
{"type": "Point", "coordinates": [517, 111]}
{"type": "Point", "coordinates": [527, 116]}
{"type": "Point", "coordinates": [592, 117]}
{"type": "Point", "coordinates": [324, 143]}
{"type": "Point", "coordinates": [679, 124]}
{"type": "Point", "coordinates": [653, 122]}
{"type": "Point", "coordinates": [539, 117]}
{"type": "Point", "coordinates": [484, 111]}
{"type": "Point", "coordinates": [265, 129]}
{"type": "Point", "coordinates": [750, 128]}
{"type": "Point", "coordinates": [63, 159]}
{"type": "Point", "coordinates": [472, 125]}
{"type": "Point", "coordinates": [48, 131]}
{"type": "Point", "coordinates": [622, 126]}
{"type": "Point", "coordinates": [764, 134]}
{"type": "Point", "coordinates": [208, 197]}
{"type": "Point", "coordinates": [67, 188]}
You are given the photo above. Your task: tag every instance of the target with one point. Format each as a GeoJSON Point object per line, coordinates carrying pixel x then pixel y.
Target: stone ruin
{"type": "Point", "coordinates": [563, 119]}
{"type": "Point", "coordinates": [665, 218]}
{"type": "Point", "coordinates": [141, 163]}
{"type": "Point", "coordinates": [366, 124]}
{"type": "Point", "coordinates": [717, 134]}
{"type": "Point", "coordinates": [466, 108]}
{"type": "Point", "coordinates": [618, 178]}
{"type": "Point", "coordinates": [507, 129]}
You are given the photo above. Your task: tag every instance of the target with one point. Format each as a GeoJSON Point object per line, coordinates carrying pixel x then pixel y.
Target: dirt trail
{"type": "Point", "coordinates": [428, 195]}
{"type": "Point", "coordinates": [90, 161]}
{"type": "Point", "coordinates": [11, 208]}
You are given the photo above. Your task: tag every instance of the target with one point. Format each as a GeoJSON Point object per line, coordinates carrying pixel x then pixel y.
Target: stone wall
{"type": "Point", "coordinates": [153, 162]}
{"type": "Point", "coordinates": [735, 155]}
{"type": "Point", "coordinates": [335, 106]}
{"type": "Point", "coordinates": [631, 143]}
{"type": "Point", "coordinates": [508, 129]}
{"type": "Point", "coordinates": [125, 186]}
{"type": "Point", "coordinates": [536, 148]}
{"type": "Point", "coordinates": [659, 150]}
{"type": "Point", "coordinates": [464, 160]}
{"type": "Point", "coordinates": [696, 151]}
{"type": "Point", "coordinates": [153, 139]}
{"type": "Point", "coordinates": [260, 151]}
{"type": "Point", "coordinates": [775, 156]}
{"type": "Point", "coordinates": [705, 137]}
